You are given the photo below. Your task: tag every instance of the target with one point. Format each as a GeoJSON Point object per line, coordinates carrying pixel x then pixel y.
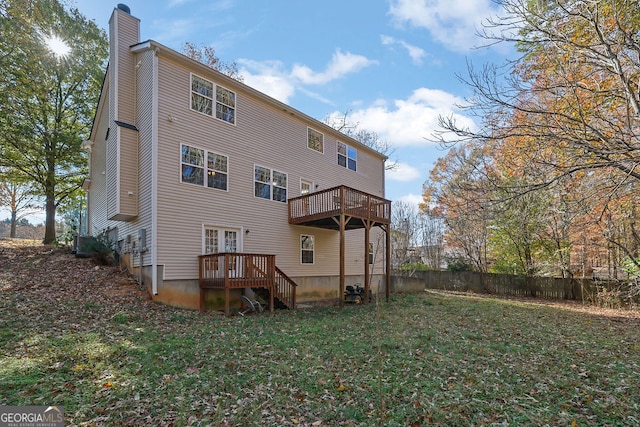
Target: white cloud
{"type": "Point", "coordinates": [416, 53]}
{"type": "Point", "coordinates": [268, 77]}
{"type": "Point", "coordinates": [454, 23]}
{"type": "Point", "coordinates": [341, 64]}
{"type": "Point", "coordinates": [403, 173]}
{"type": "Point", "coordinates": [272, 78]}
{"type": "Point", "coordinates": [411, 198]}
{"type": "Point", "coordinates": [411, 121]}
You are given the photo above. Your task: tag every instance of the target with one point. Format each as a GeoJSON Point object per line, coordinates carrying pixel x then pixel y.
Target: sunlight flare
{"type": "Point", "coordinates": [57, 46]}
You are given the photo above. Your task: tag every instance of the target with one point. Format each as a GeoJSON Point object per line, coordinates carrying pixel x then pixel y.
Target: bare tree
{"type": "Point", "coordinates": [570, 104]}
{"type": "Point", "coordinates": [19, 198]}
{"type": "Point", "coordinates": [431, 237]}
{"type": "Point", "coordinates": [404, 234]}
{"type": "Point", "coordinates": [575, 86]}
{"type": "Point", "coordinates": [370, 139]}
{"type": "Point", "coordinates": [207, 56]}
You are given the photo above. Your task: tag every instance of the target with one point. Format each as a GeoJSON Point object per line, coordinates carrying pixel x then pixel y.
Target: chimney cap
{"type": "Point", "coordinates": [123, 7]}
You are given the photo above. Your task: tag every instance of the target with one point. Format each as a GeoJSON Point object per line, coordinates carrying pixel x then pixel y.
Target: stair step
{"type": "Point", "coordinates": [264, 294]}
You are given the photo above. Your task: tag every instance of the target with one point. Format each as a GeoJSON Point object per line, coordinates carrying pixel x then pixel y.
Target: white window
{"type": "Point", "coordinates": [217, 171]}
{"type": "Point", "coordinates": [202, 99]}
{"type": "Point", "coordinates": [371, 253]}
{"type": "Point", "coordinates": [201, 95]}
{"type": "Point", "coordinates": [225, 105]}
{"type": "Point", "coordinates": [193, 167]}
{"type": "Point", "coordinates": [270, 184]}
{"type": "Point", "coordinates": [306, 249]}
{"type": "Point", "coordinates": [315, 140]}
{"type": "Point", "coordinates": [192, 160]}
{"type": "Point", "coordinates": [347, 156]}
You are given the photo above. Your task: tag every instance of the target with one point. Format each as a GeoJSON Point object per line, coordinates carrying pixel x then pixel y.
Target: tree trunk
{"type": "Point", "coordinates": [50, 199]}
{"type": "Point", "coordinates": [14, 216]}
{"type": "Point", "coordinates": [50, 215]}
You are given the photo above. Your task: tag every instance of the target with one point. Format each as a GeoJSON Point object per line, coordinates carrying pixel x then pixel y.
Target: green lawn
{"type": "Point", "coordinates": [428, 359]}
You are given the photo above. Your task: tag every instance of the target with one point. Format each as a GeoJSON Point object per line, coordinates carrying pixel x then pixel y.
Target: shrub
{"type": "Point", "coordinates": [414, 266]}
{"type": "Point", "coordinates": [459, 265]}
{"type": "Point", "coordinates": [99, 248]}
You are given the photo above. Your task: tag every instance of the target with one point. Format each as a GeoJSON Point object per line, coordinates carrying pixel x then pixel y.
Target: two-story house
{"type": "Point", "coordinates": [210, 187]}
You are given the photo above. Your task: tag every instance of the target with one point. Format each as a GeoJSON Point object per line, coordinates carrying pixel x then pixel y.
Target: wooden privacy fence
{"type": "Point", "coordinates": [578, 289]}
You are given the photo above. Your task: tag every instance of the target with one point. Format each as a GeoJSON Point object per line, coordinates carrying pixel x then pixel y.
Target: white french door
{"type": "Point", "coordinates": [218, 240]}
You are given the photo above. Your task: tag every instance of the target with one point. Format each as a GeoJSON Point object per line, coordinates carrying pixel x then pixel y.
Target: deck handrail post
{"type": "Point", "coordinates": [227, 284]}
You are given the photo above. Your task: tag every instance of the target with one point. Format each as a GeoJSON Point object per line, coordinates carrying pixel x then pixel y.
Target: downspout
{"type": "Point", "coordinates": [154, 177]}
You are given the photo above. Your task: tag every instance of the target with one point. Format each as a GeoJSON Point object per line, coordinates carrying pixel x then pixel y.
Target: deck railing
{"type": "Point", "coordinates": [285, 288]}
{"type": "Point", "coordinates": [241, 270]}
{"type": "Point", "coordinates": [338, 200]}
{"type": "Point", "coordinates": [236, 270]}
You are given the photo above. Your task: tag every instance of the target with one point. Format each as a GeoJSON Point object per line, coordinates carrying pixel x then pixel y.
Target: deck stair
{"type": "Point", "coordinates": [241, 270]}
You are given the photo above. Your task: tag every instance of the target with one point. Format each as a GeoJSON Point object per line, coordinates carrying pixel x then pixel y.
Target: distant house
{"type": "Point", "coordinates": [212, 189]}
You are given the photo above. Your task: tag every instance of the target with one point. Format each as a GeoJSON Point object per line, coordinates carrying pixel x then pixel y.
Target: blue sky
{"type": "Point", "coordinates": [391, 63]}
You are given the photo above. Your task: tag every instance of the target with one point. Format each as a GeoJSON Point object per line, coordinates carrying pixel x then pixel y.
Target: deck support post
{"type": "Point", "coordinates": [367, 279]}
{"type": "Point", "coordinates": [387, 229]}
{"type": "Point", "coordinates": [226, 301]}
{"type": "Point", "coordinates": [342, 254]}
{"type": "Point", "coordinates": [272, 290]}
{"type": "Point", "coordinates": [227, 284]}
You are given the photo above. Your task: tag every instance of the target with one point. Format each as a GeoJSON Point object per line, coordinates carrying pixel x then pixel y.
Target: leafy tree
{"type": "Point", "coordinates": [207, 56]}
{"type": "Point", "coordinates": [459, 193]}
{"type": "Point", "coordinates": [565, 116]}
{"type": "Point", "coordinates": [48, 99]}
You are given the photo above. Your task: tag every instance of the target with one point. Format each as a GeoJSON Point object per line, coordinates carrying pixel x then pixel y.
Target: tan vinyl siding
{"type": "Point", "coordinates": [122, 145]}
{"type": "Point", "coordinates": [125, 63]}
{"type": "Point", "coordinates": [112, 172]}
{"type": "Point", "coordinates": [263, 135]}
{"type": "Point", "coordinates": [97, 190]}
{"type": "Point", "coordinates": [128, 188]}
{"type": "Point", "coordinates": [145, 127]}
{"type": "Point", "coordinates": [122, 174]}
{"type": "Point", "coordinates": [144, 123]}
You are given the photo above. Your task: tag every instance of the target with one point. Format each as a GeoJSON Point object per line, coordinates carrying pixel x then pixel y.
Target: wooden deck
{"type": "Point", "coordinates": [242, 270]}
{"type": "Point", "coordinates": [340, 208]}
{"type": "Point", "coordinates": [322, 208]}
{"type": "Point", "coordinates": [343, 208]}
